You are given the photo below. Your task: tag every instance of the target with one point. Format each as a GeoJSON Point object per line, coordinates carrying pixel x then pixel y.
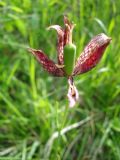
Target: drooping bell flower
{"type": "Point", "coordinates": [67, 65]}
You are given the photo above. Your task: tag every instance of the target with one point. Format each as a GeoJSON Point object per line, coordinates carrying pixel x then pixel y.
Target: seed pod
{"type": "Point", "coordinates": [69, 58]}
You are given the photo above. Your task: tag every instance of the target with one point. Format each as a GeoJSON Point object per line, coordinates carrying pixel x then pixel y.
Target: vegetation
{"type": "Point", "coordinates": [35, 121]}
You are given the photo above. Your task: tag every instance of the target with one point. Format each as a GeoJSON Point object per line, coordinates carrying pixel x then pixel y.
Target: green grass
{"type": "Point", "coordinates": [35, 121]}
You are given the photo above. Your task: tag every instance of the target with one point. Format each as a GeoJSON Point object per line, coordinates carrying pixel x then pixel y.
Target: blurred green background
{"type": "Point", "coordinates": [33, 104]}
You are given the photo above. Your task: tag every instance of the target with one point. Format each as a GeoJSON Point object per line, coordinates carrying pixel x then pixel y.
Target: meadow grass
{"type": "Point", "coordinates": [35, 121]}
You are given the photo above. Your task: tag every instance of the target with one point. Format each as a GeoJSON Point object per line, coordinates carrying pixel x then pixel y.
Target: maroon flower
{"type": "Point", "coordinates": [88, 59]}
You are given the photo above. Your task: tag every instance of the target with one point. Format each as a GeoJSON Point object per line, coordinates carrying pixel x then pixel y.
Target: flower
{"type": "Point", "coordinates": [87, 60]}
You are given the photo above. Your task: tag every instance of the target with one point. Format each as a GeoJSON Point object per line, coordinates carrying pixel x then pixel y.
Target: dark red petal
{"type": "Point", "coordinates": [47, 64]}
{"type": "Point", "coordinates": [64, 37]}
{"type": "Point", "coordinates": [60, 42]}
{"type": "Point", "coordinates": [92, 54]}
{"type": "Point", "coordinates": [68, 31]}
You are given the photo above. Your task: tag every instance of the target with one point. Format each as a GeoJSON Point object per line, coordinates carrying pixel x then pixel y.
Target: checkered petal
{"type": "Point", "coordinates": [64, 37]}
{"type": "Point", "coordinates": [68, 31]}
{"type": "Point", "coordinates": [60, 42]}
{"type": "Point", "coordinates": [92, 54]}
{"type": "Point", "coordinates": [47, 64]}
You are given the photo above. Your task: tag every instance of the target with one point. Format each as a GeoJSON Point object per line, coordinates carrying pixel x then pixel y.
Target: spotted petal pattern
{"type": "Point", "coordinates": [92, 54]}
{"type": "Point", "coordinates": [88, 59]}
{"type": "Point", "coordinates": [64, 37]}
{"type": "Point", "coordinates": [60, 42]}
{"type": "Point", "coordinates": [68, 30]}
{"type": "Point", "coordinates": [47, 64]}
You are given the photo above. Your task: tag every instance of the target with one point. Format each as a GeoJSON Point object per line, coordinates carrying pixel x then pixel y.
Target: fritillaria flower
{"type": "Point", "coordinates": [67, 65]}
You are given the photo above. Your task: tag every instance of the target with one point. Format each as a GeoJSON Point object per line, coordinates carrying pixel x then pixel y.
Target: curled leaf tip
{"type": "Point", "coordinates": [56, 27]}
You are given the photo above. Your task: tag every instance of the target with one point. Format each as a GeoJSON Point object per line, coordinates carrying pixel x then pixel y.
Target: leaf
{"type": "Point", "coordinates": [101, 24]}
{"type": "Point", "coordinates": [16, 9]}
{"type": "Point", "coordinates": [19, 24]}
{"type": "Point", "coordinates": [2, 3]}
{"type": "Point", "coordinates": [116, 124]}
{"type": "Point", "coordinates": [111, 26]}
